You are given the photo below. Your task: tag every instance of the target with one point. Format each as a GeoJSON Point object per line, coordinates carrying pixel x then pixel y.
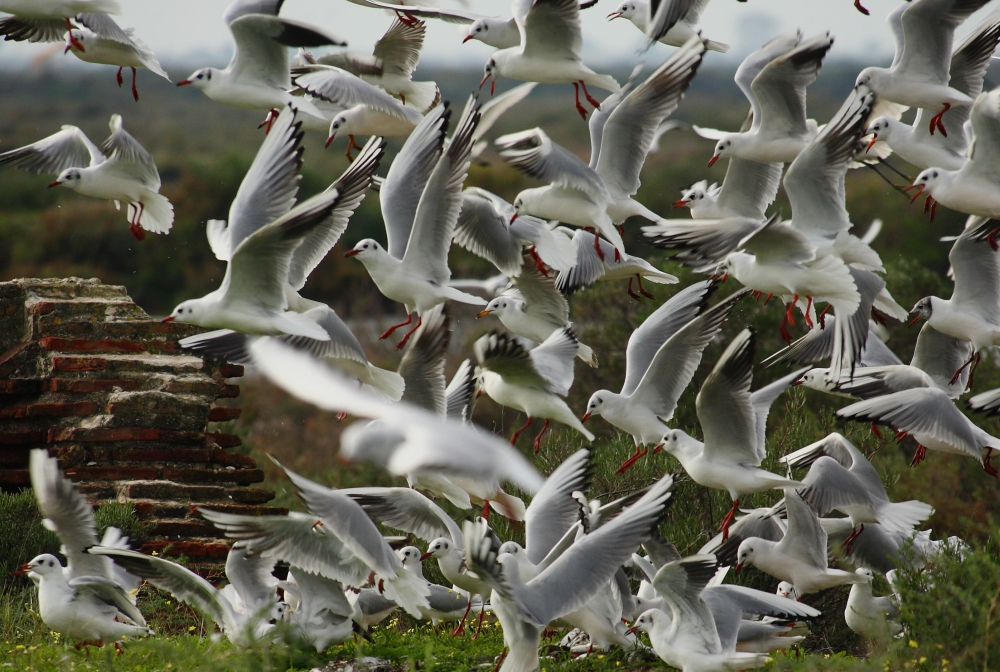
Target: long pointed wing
{"type": "Point", "coordinates": [780, 88]}
{"type": "Point", "coordinates": [805, 538]}
{"type": "Point", "coordinates": [553, 510]}
{"type": "Point", "coordinates": [400, 47]}
{"type": "Point", "coordinates": [128, 156]}
{"type": "Point", "coordinates": [408, 510]}
{"type": "Point", "coordinates": [536, 155]}
{"type": "Point", "coordinates": [422, 366]}
{"type": "Point", "coordinates": [725, 410]}
{"type": "Point", "coordinates": [69, 148]}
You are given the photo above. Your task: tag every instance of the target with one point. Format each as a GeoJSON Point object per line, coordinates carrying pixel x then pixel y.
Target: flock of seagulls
{"type": "Point", "coordinates": [547, 243]}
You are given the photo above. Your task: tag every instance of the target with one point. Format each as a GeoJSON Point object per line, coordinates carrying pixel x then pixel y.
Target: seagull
{"type": "Point", "coordinates": [817, 345]}
{"type": "Point", "coordinates": [319, 611]}
{"type": "Point", "coordinates": [87, 608]}
{"type": "Point", "coordinates": [948, 149]}
{"type": "Point", "coordinates": [800, 557]}
{"type": "Point", "coordinates": [251, 623]}
{"type": "Point", "coordinates": [50, 20]}
{"type": "Point", "coordinates": [733, 421]}
{"type": "Point", "coordinates": [257, 76]}
{"type": "Point", "coordinates": [430, 444]}
{"type": "Point", "coordinates": [972, 189]}
{"type": "Point", "coordinates": [868, 615]}
{"type": "Point", "coordinates": [637, 13]}
{"type": "Point", "coordinates": [775, 79]}
{"type": "Point", "coordinates": [490, 227]}
{"type": "Point", "coordinates": [446, 604]}
{"type": "Point", "coordinates": [495, 31]}
{"type": "Point", "coordinates": [932, 419]}
{"type": "Point", "coordinates": [548, 51]}
{"type": "Point", "coordinates": [89, 599]}
{"type": "Point", "coordinates": [264, 237]}
{"type": "Point", "coordinates": [878, 549]}
{"type": "Point", "coordinates": [841, 478]}
{"type": "Point", "coordinates": [610, 264]}
{"type": "Point", "coordinates": [973, 311]}
{"type": "Point", "coordinates": [621, 134]}
{"type": "Point", "coordinates": [918, 77]}
{"type": "Point", "coordinates": [421, 202]}
{"type": "Point", "coordinates": [531, 381]}
{"type": "Point", "coordinates": [407, 510]}
{"type": "Point", "coordinates": [114, 46]}
{"type": "Point", "coordinates": [123, 172]}
{"type": "Point", "coordinates": [747, 190]}
{"type": "Point", "coordinates": [689, 638]}
{"type": "Point", "coordinates": [766, 522]}
{"type": "Point", "coordinates": [533, 308]}
{"type": "Point", "coordinates": [662, 356]}
{"type": "Point", "coordinates": [525, 608]}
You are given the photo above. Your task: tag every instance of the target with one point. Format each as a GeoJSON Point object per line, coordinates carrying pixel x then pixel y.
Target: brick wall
{"type": "Point", "coordinates": [87, 374]}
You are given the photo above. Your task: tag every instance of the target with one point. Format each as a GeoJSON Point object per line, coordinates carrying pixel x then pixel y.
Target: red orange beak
{"type": "Point", "coordinates": [919, 188]}
{"type": "Point", "coordinates": [631, 631]}
{"type": "Point", "coordinates": [871, 143]}
{"type": "Point", "coordinates": [913, 321]}
{"type": "Point", "coordinates": [329, 140]}
{"type": "Point", "coordinates": [168, 318]}
{"type": "Point", "coordinates": [24, 569]}
{"type": "Point", "coordinates": [738, 566]}
{"type": "Point", "coordinates": [184, 82]}
{"type": "Point", "coordinates": [586, 416]}
{"type": "Point", "coordinates": [711, 162]}
{"type": "Point", "coordinates": [483, 313]}
{"type": "Point", "coordinates": [54, 183]}
{"type": "Point", "coordinates": [352, 253]}
{"type": "Point", "coordinates": [613, 15]}
{"type": "Point", "coordinates": [485, 77]}
{"type": "Point", "coordinates": [681, 203]}
{"type": "Point", "coordinates": [514, 216]}
{"type": "Point", "coordinates": [658, 448]}
{"type": "Point", "coordinates": [426, 555]}
{"type": "Point", "coordinates": [466, 39]}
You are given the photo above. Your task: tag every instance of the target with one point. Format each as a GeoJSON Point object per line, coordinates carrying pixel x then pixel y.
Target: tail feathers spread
{"type": "Point", "coordinates": [422, 96]}
{"type": "Point", "coordinates": [659, 277]}
{"type": "Point", "coordinates": [720, 47]}
{"type": "Point", "coordinates": [387, 383]}
{"type": "Point", "coordinates": [462, 297]}
{"type": "Point", "coordinates": [508, 506]}
{"type": "Point", "coordinates": [157, 213]}
{"type": "Point", "coordinates": [587, 354]}
{"type": "Point", "coordinates": [904, 516]}
{"type": "Point", "coordinates": [409, 592]}
{"type": "Point", "coordinates": [606, 82]}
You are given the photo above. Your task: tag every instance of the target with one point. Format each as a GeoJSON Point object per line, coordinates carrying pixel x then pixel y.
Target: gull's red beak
{"type": "Point", "coordinates": [738, 566]}
{"type": "Point", "coordinates": [631, 631]}
{"type": "Point", "coordinates": [168, 318]}
{"type": "Point", "coordinates": [466, 39]}
{"type": "Point", "coordinates": [329, 140]}
{"type": "Point", "coordinates": [613, 15]}
{"type": "Point", "coordinates": [919, 188]}
{"type": "Point", "coordinates": [55, 183]}
{"type": "Point", "coordinates": [493, 86]}
{"type": "Point", "coordinates": [681, 203]}
{"type": "Point", "coordinates": [913, 321]}
{"type": "Point", "coordinates": [485, 77]}
{"type": "Point", "coordinates": [24, 569]}
{"type": "Point", "coordinates": [871, 143]}
{"type": "Point", "coordinates": [184, 82]}
{"type": "Point", "coordinates": [514, 216]}
{"type": "Point", "coordinates": [586, 416]}
{"type": "Point", "coordinates": [426, 555]}
{"type": "Point", "coordinates": [711, 162]}
{"type": "Point", "coordinates": [658, 448]}
{"type": "Point", "coordinates": [483, 313]}
{"type": "Point", "coordinates": [352, 253]}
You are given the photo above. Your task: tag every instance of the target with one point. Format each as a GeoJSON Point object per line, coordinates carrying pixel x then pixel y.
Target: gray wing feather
{"type": "Point", "coordinates": [422, 366]}
{"type": "Point", "coordinates": [553, 510]}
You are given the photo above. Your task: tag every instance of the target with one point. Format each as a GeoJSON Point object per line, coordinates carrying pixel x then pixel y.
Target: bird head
{"type": "Point", "coordinates": [722, 149]}
{"type": "Point", "coordinates": [437, 548]}
{"type": "Point", "coordinates": [41, 564]}
{"type": "Point", "coordinates": [626, 10]}
{"type": "Point", "coordinates": [199, 79]}
{"type": "Point", "coordinates": [596, 405]}
{"type": "Point", "coordinates": [71, 177]}
{"type": "Point", "coordinates": [646, 622]}
{"type": "Point", "coordinates": [365, 249]}
{"type": "Point", "coordinates": [188, 312]}
{"type": "Point", "coordinates": [923, 309]}
{"type": "Point", "coordinates": [477, 31]}
{"type": "Point", "coordinates": [336, 124]}
{"type": "Point", "coordinates": [489, 72]}
{"type": "Point", "coordinates": [746, 554]}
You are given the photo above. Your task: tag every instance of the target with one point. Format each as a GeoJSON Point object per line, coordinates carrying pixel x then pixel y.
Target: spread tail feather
{"type": "Point", "coordinates": [903, 516]}
{"type": "Point", "coordinates": [386, 383]}
{"type": "Point", "coordinates": [587, 354]}
{"type": "Point", "coordinates": [157, 213]}
{"type": "Point", "coordinates": [606, 82]}
{"type": "Point", "coordinates": [422, 96]}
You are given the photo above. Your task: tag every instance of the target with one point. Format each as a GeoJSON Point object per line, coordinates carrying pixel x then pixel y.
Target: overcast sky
{"type": "Point", "coordinates": [191, 32]}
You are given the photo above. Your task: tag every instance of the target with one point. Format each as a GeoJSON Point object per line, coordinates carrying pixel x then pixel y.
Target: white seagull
{"type": "Point", "coordinates": [918, 77]}
{"type": "Point", "coordinates": [637, 13]}
{"type": "Point", "coordinates": [869, 616]}
{"type": "Point", "coordinates": [597, 259]}
{"type": "Point", "coordinates": [258, 76]}
{"type": "Point", "coordinates": [800, 557]}
{"type": "Point", "coordinates": [734, 424]}
{"type": "Point", "coordinates": [421, 201]}
{"type": "Point", "coordinates": [914, 142]}
{"type": "Point", "coordinates": [114, 46]}
{"type": "Point", "coordinates": [126, 173]}
{"type": "Point", "coordinates": [662, 356]}
{"type": "Point", "coordinates": [531, 381]}
{"type": "Point", "coordinates": [548, 51]}
{"type": "Point", "coordinates": [50, 20]}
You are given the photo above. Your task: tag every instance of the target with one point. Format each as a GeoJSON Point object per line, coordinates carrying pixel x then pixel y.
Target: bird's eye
{"type": "Point", "coordinates": [199, 76]}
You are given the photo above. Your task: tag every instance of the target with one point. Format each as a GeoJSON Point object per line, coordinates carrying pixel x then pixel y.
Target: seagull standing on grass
{"type": "Point", "coordinates": [421, 202]}
{"type": "Point", "coordinates": [127, 173]}
{"type": "Point", "coordinates": [868, 615]}
{"type": "Point", "coordinates": [114, 46]}
{"type": "Point", "coordinates": [734, 424]}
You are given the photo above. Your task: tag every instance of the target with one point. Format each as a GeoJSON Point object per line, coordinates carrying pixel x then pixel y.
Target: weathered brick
{"type": "Point", "coordinates": [103, 434]}
{"type": "Point", "coordinates": [20, 386]}
{"type": "Point", "coordinates": [240, 509]}
{"type": "Point", "coordinates": [191, 549]}
{"type": "Point", "coordinates": [187, 527]}
{"type": "Point", "coordinates": [112, 473]}
{"type": "Point", "coordinates": [87, 386]}
{"type": "Point", "coordinates": [16, 438]}
{"type": "Point", "coordinates": [165, 490]}
{"type": "Point", "coordinates": [223, 440]}
{"type": "Point", "coordinates": [223, 413]}
{"type": "Point", "coordinates": [220, 456]}
{"type": "Point", "coordinates": [153, 454]}
{"type": "Point", "coordinates": [14, 458]}
{"type": "Point", "coordinates": [79, 364]}
{"type": "Point", "coordinates": [15, 477]}
{"type": "Point", "coordinates": [228, 392]}
{"type": "Point", "coordinates": [50, 410]}
{"type": "Point", "coordinates": [186, 475]}
{"type": "Point", "coordinates": [87, 345]}
{"type": "Point", "coordinates": [251, 495]}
